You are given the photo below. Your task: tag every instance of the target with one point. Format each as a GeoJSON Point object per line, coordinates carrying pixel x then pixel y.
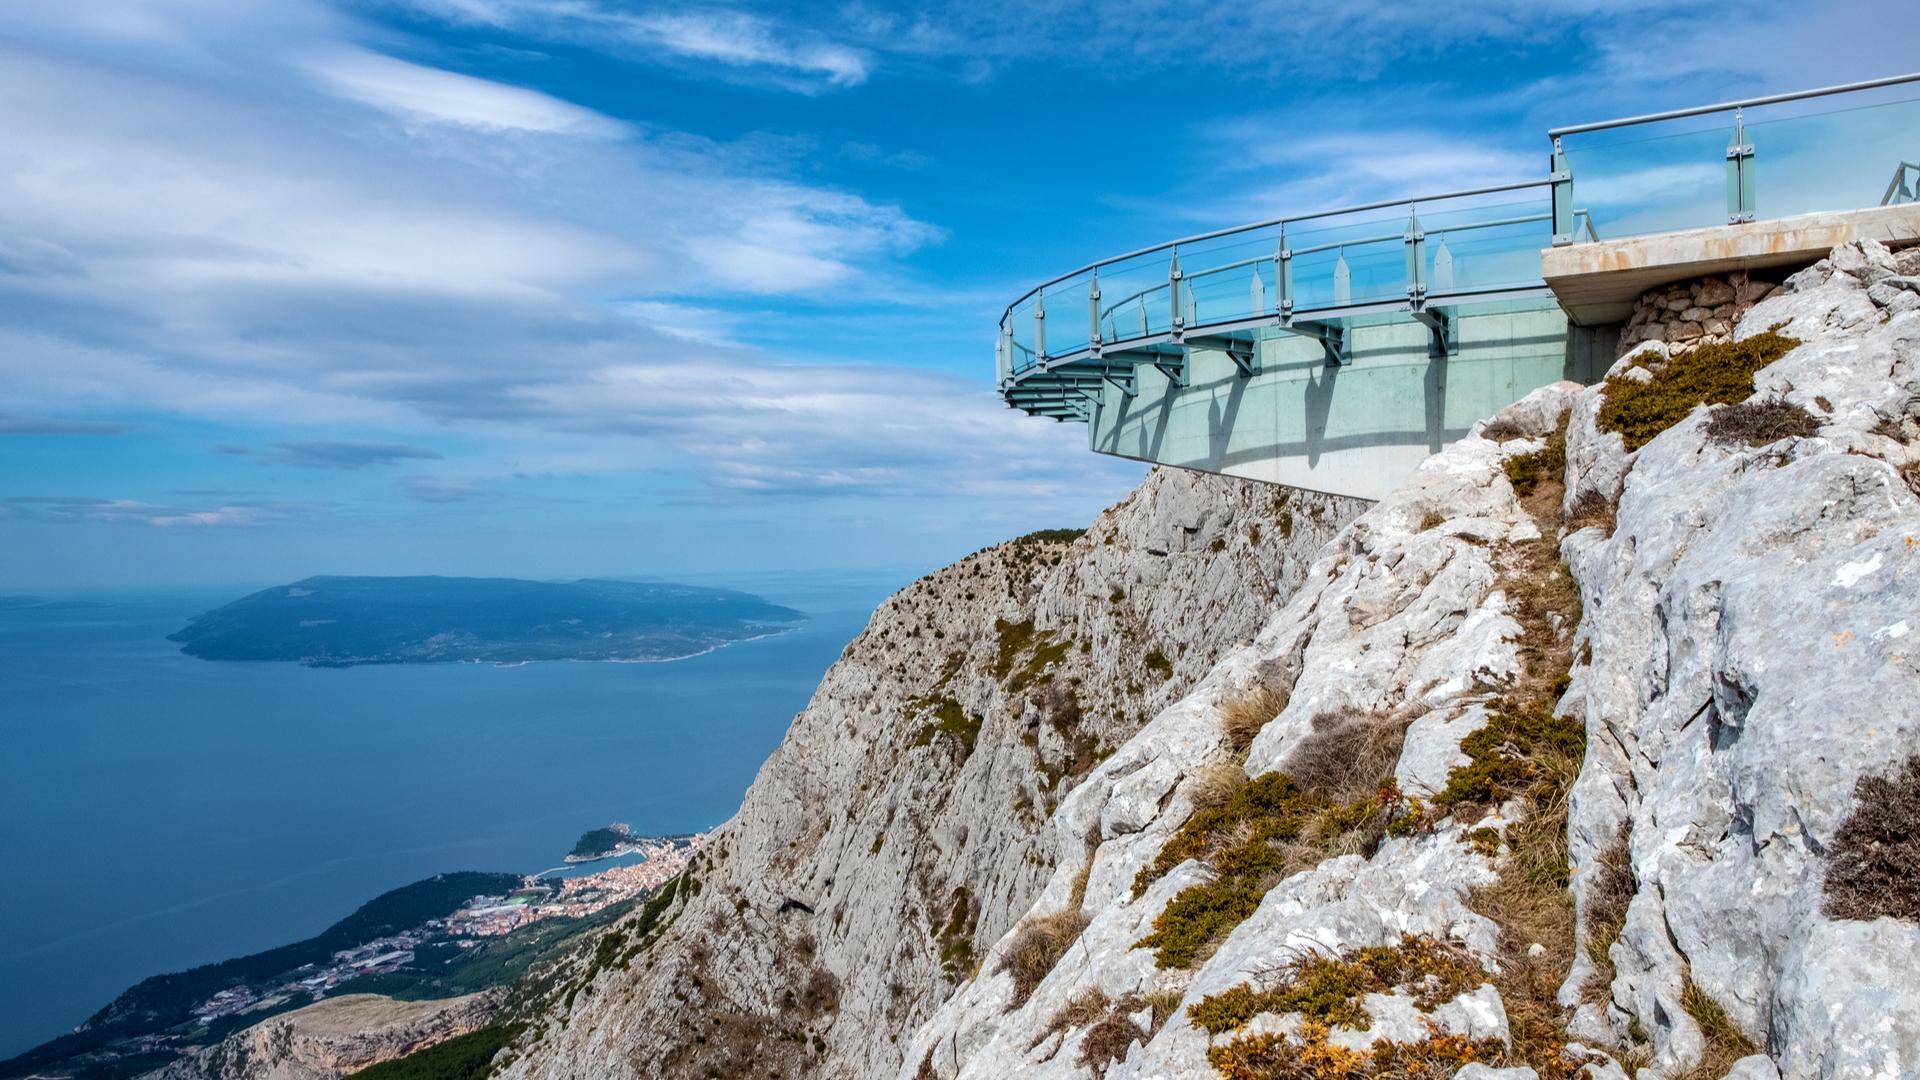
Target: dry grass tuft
{"type": "Point", "coordinates": [1726, 1043]}
{"type": "Point", "coordinates": [1346, 752]}
{"type": "Point", "coordinates": [1502, 429]}
{"type": "Point", "coordinates": [1757, 423]}
{"type": "Point", "coordinates": [1214, 785]}
{"type": "Point", "coordinates": [1079, 1011]}
{"type": "Point", "coordinates": [1109, 1039]}
{"type": "Point", "coordinates": [1038, 947]}
{"type": "Point", "coordinates": [1875, 867]}
{"type": "Point", "coordinates": [1609, 891]}
{"type": "Point", "coordinates": [1242, 717]}
{"type": "Point", "coordinates": [1590, 508]}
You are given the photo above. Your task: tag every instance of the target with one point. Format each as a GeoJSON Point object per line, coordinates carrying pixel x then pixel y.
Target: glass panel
{"type": "Point", "coordinates": [1637, 181]}
{"type": "Point", "coordinates": [1221, 276]}
{"type": "Point", "coordinates": [1133, 297]}
{"type": "Point", "coordinates": [1494, 246]}
{"type": "Point", "coordinates": [1839, 160]}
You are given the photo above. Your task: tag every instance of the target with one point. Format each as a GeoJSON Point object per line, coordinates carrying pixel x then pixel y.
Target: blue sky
{"type": "Point", "coordinates": [560, 287]}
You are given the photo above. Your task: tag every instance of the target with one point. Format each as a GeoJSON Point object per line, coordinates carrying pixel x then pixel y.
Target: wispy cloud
{"type": "Point", "coordinates": [74, 508]}
{"type": "Point", "coordinates": [415, 91]}
{"type": "Point", "coordinates": [726, 41]}
{"type": "Point", "coordinates": [40, 425]}
{"type": "Point", "coordinates": [347, 455]}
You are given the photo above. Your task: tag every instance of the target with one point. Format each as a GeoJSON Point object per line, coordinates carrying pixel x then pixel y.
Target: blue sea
{"type": "Point", "coordinates": [158, 811]}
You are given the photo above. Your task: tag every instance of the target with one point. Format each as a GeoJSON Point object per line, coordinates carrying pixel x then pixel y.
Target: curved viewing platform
{"type": "Point", "coordinates": [1334, 350]}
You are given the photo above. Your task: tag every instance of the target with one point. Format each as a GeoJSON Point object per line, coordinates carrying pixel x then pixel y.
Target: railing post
{"type": "Point", "coordinates": [1040, 326]}
{"type": "Point", "coordinates": [1740, 163]}
{"type": "Point", "coordinates": [1093, 312]}
{"type": "Point", "coordinates": [1416, 244]}
{"type": "Point", "coordinates": [1178, 323]}
{"type": "Point", "coordinates": [1562, 178]}
{"type": "Point", "coordinates": [1003, 352]}
{"type": "Point", "coordinates": [1342, 280]}
{"type": "Point", "coordinates": [1283, 280]}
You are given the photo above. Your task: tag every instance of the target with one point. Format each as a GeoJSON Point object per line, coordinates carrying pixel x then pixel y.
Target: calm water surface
{"type": "Point", "coordinates": [158, 811]}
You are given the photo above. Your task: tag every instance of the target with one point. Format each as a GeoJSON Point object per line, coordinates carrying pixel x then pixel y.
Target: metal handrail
{"type": "Point", "coordinates": [1897, 186]}
{"type": "Point", "coordinates": [1169, 245]}
{"type": "Point", "coordinates": [1744, 103]}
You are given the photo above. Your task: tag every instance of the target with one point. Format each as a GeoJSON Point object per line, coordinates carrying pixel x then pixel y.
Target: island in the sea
{"type": "Point", "coordinates": [341, 621]}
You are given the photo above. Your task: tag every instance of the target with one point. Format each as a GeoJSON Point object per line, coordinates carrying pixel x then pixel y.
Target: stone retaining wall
{"type": "Point", "coordinates": [1693, 313]}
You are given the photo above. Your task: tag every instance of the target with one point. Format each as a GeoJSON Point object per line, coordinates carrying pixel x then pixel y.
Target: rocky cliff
{"type": "Point", "coordinates": [332, 1038]}
{"type": "Point", "coordinates": [1588, 751]}
{"type": "Point", "coordinates": [901, 827]}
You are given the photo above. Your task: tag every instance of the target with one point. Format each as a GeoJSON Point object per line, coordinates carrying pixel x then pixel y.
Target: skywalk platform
{"type": "Point", "coordinates": [1335, 350]}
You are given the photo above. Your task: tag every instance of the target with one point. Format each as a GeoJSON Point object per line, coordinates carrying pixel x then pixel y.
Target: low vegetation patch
{"type": "Point", "coordinates": [1875, 858]}
{"type": "Point", "coordinates": [463, 1057]}
{"type": "Point", "coordinates": [955, 936]}
{"type": "Point", "coordinates": [1309, 1056]}
{"type": "Point", "coordinates": [950, 719]}
{"type": "Point", "coordinates": [1609, 891]}
{"type": "Point", "coordinates": [1332, 989]}
{"type": "Point", "coordinates": [1726, 1044]}
{"type": "Point", "coordinates": [1592, 509]}
{"type": "Point", "coordinates": [1346, 752]}
{"type": "Point", "coordinates": [1757, 423]}
{"type": "Point", "coordinates": [1525, 471]}
{"type": "Point", "coordinates": [1269, 828]}
{"type": "Point", "coordinates": [1109, 1039]}
{"type": "Point", "coordinates": [1037, 947]}
{"type": "Point", "coordinates": [1521, 746]}
{"type": "Point", "coordinates": [1719, 374]}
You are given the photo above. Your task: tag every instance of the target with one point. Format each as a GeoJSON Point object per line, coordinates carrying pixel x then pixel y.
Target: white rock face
{"type": "Point", "coordinates": [1749, 627]}
{"type": "Point", "coordinates": [1745, 654]}
{"type": "Point", "coordinates": [1749, 666]}
{"type": "Point", "coordinates": [828, 905]}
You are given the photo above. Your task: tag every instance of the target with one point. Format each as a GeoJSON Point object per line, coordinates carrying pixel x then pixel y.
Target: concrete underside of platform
{"type": "Point", "coordinates": [1597, 283]}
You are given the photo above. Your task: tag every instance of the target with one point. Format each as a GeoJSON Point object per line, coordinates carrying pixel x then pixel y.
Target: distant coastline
{"type": "Point", "coordinates": [334, 622]}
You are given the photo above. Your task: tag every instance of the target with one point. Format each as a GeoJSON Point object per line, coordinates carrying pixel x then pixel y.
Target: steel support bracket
{"type": "Point", "coordinates": [1173, 367]}
{"type": "Point", "coordinates": [1443, 339]}
{"type": "Point", "coordinates": [1332, 338]}
{"type": "Point", "coordinates": [1244, 354]}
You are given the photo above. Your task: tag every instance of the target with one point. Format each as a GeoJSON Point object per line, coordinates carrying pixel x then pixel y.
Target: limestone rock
{"type": "Point", "coordinates": [334, 1037]}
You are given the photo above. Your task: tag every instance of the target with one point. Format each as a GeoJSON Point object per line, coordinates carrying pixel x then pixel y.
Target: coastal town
{"type": "Point", "coordinates": [474, 924]}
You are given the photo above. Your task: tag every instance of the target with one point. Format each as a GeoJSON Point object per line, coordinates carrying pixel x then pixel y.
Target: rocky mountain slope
{"type": "Point", "coordinates": [334, 1037]}
{"type": "Point", "coordinates": [899, 828]}
{"type": "Point", "coordinates": [1585, 752]}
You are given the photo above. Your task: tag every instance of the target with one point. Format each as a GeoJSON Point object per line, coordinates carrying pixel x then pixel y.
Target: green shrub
{"type": "Point", "coordinates": [1332, 989]}
{"type": "Point", "coordinates": [949, 718]}
{"type": "Point", "coordinates": [1718, 374]}
{"type": "Point", "coordinates": [1503, 755]}
{"type": "Point", "coordinates": [463, 1057]}
{"type": "Point", "coordinates": [1267, 829]}
{"type": "Point", "coordinates": [1525, 471]}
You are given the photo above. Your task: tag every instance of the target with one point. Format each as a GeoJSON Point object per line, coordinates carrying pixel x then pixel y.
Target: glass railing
{"type": "Point", "coordinates": [1403, 254]}
{"type": "Point", "coordinates": [1839, 148]}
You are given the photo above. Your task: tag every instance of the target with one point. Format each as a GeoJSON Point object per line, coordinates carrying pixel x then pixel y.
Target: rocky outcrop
{"type": "Point", "coordinates": [334, 1037]}
{"type": "Point", "coordinates": [1734, 643]}
{"type": "Point", "coordinates": [898, 829]}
